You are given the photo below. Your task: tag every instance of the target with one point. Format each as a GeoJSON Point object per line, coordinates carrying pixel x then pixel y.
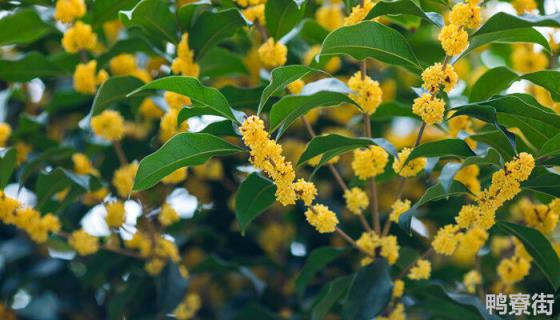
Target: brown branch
{"type": "Point", "coordinates": [353, 243]}
{"type": "Point", "coordinates": [120, 153]}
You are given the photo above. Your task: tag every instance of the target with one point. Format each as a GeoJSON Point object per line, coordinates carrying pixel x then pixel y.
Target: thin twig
{"type": "Point", "coordinates": [120, 153]}
{"type": "Point", "coordinates": [353, 243]}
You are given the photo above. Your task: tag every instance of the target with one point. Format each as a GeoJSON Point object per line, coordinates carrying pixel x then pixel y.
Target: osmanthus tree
{"type": "Point", "coordinates": [267, 159]}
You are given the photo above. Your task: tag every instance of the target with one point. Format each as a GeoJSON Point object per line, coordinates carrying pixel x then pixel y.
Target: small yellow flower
{"type": "Point", "coordinates": [398, 208]}
{"type": "Point", "coordinates": [522, 6]}
{"type": "Point", "coordinates": [5, 133]}
{"type": "Point", "coordinates": [329, 17]}
{"type": "Point", "coordinates": [176, 101]}
{"type": "Point", "coordinates": [184, 63]}
{"type": "Point", "coordinates": [295, 87]}
{"type": "Point", "coordinates": [366, 92]}
{"type": "Point", "coordinates": [169, 126]}
{"type": "Point", "coordinates": [188, 308]}
{"type": "Point", "coordinates": [109, 125]}
{"type": "Point", "coordinates": [429, 108]}
{"type": "Point", "coordinates": [79, 37]}
{"type": "Point", "coordinates": [323, 219]}
{"type": "Point", "coordinates": [255, 14]}
{"type": "Point", "coordinates": [436, 76]}
{"type": "Point", "coordinates": [123, 64]}
{"type": "Point", "coordinates": [87, 78]}
{"type": "Point", "coordinates": [306, 191]}
{"type": "Point", "coordinates": [446, 240]}
{"type": "Point", "coordinates": [369, 162]}
{"type": "Point", "coordinates": [390, 249]}
{"type": "Point", "coordinates": [359, 13]}
{"type": "Point", "coordinates": [356, 200]}
{"type": "Point", "coordinates": [84, 243]}
{"type": "Point", "coordinates": [82, 164]}
{"type": "Point", "coordinates": [272, 54]}
{"type": "Point", "coordinates": [525, 59]}
{"type": "Point", "coordinates": [465, 15]}
{"type": "Point", "coordinates": [421, 271]}
{"type": "Point", "coordinates": [176, 176]}
{"type": "Point", "coordinates": [150, 110]}
{"type": "Point", "coordinates": [123, 179]}
{"type": "Point", "coordinates": [115, 214]}
{"type": "Point", "coordinates": [332, 65]}
{"type": "Point", "coordinates": [66, 11]}
{"type": "Point", "coordinates": [468, 216]}
{"type": "Point", "coordinates": [514, 269]}
{"type": "Point", "coordinates": [168, 216]}
{"type": "Point", "coordinates": [453, 39]}
{"type": "Point", "coordinates": [412, 167]}
{"type": "Point", "coordinates": [471, 280]}
{"type": "Point", "coordinates": [398, 288]}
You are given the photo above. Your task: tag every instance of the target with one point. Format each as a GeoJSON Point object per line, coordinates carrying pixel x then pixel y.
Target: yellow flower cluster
{"type": "Point", "coordinates": [28, 219]}
{"type": "Point", "coordinates": [115, 214]}
{"type": "Point", "coordinates": [398, 288]}
{"type": "Point", "coordinates": [82, 164]}
{"type": "Point", "coordinates": [359, 13]}
{"type": "Point", "coordinates": [331, 66]}
{"type": "Point", "coordinates": [398, 208]}
{"type": "Point", "coordinates": [246, 3]}
{"type": "Point", "coordinates": [109, 125]}
{"type": "Point", "coordinates": [471, 280]}
{"type": "Point", "coordinates": [255, 14]}
{"type": "Point", "coordinates": [125, 65]}
{"type": "Point", "coordinates": [466, 15]}
{"type": "Point", "coordinates": [468, 176]}
{"type": "Point", "coordinates": [329, 17]}
{"type": "Point", "coordinates": [188, 307]}
{"type": "Point", "coordinates": [446, 240]}
{"type": "Point", "coordinates": [356, 200]}
{"type": "Point", "coordinates": [412, 167]}
{"type": "Point", "coordinates": [437, 75]}
{"type": "Point", "coordinates": [87, 78]}
{"type": "Point", "coordinates": [525, 59]}
{"type": "Point", "coordinates": [79, 37]}
{"type": "Point", "coordinates": [470, 242]}
{"type": "Point", "coordinates": [266, 155]}
{"type": "Point", "coordinates": [371, 242]}
{"type": "Point", "coordinates": [66, 11]}
{"type": "Point", "coordinates": [454, 39]}
{"type": "Point", "coordinates": [321, 218]}
{"type": "Point", "coordinates": [184, 63]}
{"type": "Point", "coordinates": [168, 126]}
{"type": "Point", "coordinates": [123, 179]}
{"type": "Point", "coordinates": [429, 108]}
{"type": "Point", "coordinates": [150, 110]}
{"type": "Point", "coordinates": [366, 92]}
{"type": "Point", "coordinates": [540, 216]}
{"type": "Point", "coordinates": [176, 101]}
{"type": "Point", "coordinates": [157, 249]}
{"type": "Point", "coordinates": [523, 6]}
{"type": "Point", "coordinates": [421, 271]}
{"type": "Point", "coordinates": [517, 267]}
{"type": "Point", "coordinates": [168, 216]}
{"type": "Point", "coordinates": [83, 242]}
{"type": "Point", "coordinates": [176, 176]}
{"type": "Point", "coordinates": [396, 314]}
{"type": "Point", "coordinates": [295, 87]}
{"type": "Point", "coordinates": [369, 162]}
{"type": "Point", "coordinates": [5, 133]}
{"type": "Point", "coordinates": [272, 54]}
{"type": "Point", "coordinates": [211, 170]}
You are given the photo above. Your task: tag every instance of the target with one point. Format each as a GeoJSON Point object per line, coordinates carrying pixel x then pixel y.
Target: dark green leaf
{"type": "Point", "coordinates": [442, 148]}
{"type": "Point", "coordinates": [548, 183]}
{"type": "Point", "coordinates": [7, 165]}
{"type": "Point", "coordinates": [492, 82]}
{"type": "Point", "coordinates": [221, 129]}
{"type": "Point", "coordinates": [281, 16]}
{"type": "Point", "coordinates": [388, 110]}
{"type": "Point", "coordinates": [184, 149]}
{"type": "Point", "coordinates": [107, 10]}
{"type": "Point", "coordinates": [243, 98]}
{"type": "Point", "coordinates": [113, 90]}
{"type": "Point", "coordinates": [290, 108]}
{"type": "Point", "coordinates": [22, 27]}
{"type": "Point", "coordinates": [130, 45]}
{"type": "Point", "coordinates": [211, 27]}
{"type": "Point", "coordinates": [539, 248]}
{"type": "Point", "coordinates": [49, 183]}
{"type": "Point", "coordinates": [312, 31]}
{"type": "Point", "coordinates": [255, 194]}
{"type": "Point", "coordinates": [371, 40]}
{"type": "Point", "coordinates": [280, 77]}
{"type": "Point", "coordinates": [188, 13]}
{"type": "Point", "coordinates": [548, 79]}
{"type": "Point", "coordinates": [214, 264]}
{"type": "Point", "coordinates": [317, 260]}
{"type": "Point", "coordinates": [551, 147]}
{"type": "Point", "coordinates": [406, 7]}
{"type": "Point", "coordinates": [328, 296]}
{"type": "Point", "coordinates": [201, 95]}
{"type": "Point", "coordinates": [369, 293]}
{"type": "Point", "coordinates": [220, 62]}
{"type": "Point", "coordinates": [171, 288]}
{"type": "Point", "coordinates": [155, 20]}
{"type": "Point", "coordinates": [33, 65]}
{"type": "Point", "coordinates": [496, 140]}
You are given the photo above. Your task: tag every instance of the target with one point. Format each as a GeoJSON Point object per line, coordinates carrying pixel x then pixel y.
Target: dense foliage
{"type": "Point", "coordinates": [277, 159]}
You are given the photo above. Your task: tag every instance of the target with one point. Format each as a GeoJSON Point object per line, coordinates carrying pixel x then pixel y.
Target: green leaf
{"type": "Point", "coordinates": [332, 145]}
{"type": "Point", "coordinates": [221, 129]}
{"type": "Point", "coordinates": [107, 10]}
{"type": "Point", "coordinates": [492, 82]}
{"type": "Point", "coordinates": [201, 95]}
{"type": "Point", "coordinates": [433, 193]}
{"type": "Point", "coordinates": [255, 194]}
{"type": "Point", "coordinates": [551, 147]}
{"type": "Point", "coordinates": [113, 90]}
{"type": "Point", "coordinates": [255, 311]}
{"type": "Point", "coordinates": [187, 14]}
{"type": "Point", "coordinates": [328, 296]}
{"type": "Point", "coordinates": [369, 293]}
{"type": "Point", "coordinates": [496, 140]}
{"type": "Point", "coordinates": [171, 288]}
{"type": "Point", "coordinates": [548, 183]}
{"type": "Point", "coordinates": [317, 260]}
{"type": "Point", "coordinates": [290, 108]}
{"type": "Point", "coordinates": [505, 28]}
{"type": "Point", "coordinates": [184, 149]}
{"type": "Point", "coordinates": [311, 31]}
{"type": "Point", "coordinates": [404, 7]}
{"type": "Point", "coordinates": [448, 172]}
{"type": "Point", "coordinates": [155, 20]}
{"type": "Point", "coordinates": [212, 27]}
{"type": "Point", "coordinates": [31, 66]}
{"type": "Point", "coordinates": [280, 77]}
{"type": "Point", "coordinates": [129, 45]}
{"type": "Point", "coordinates": [281, 16]}
{"type": "Point", "coordinates": [49, 183]}
{"type": "Point", "coordinates": [371, 40]}
{"type": "Point", "coordinates": [7, 165]}
{"type": "Point", "coordinates": [221, 62]}
{"type": "Point", "coordinates": [214, 264]}
{"type": "Point", "coordinates": [23, 27]}
{"type": "Point", "coordinates": [389, 110]}
{"type": "Point", "coordinates": [243, 98]}
{"type": "Point", "coordinates": [548, 79]}
{"type": "Point", "coordinates": [443, 148]}
{"type": "Point", "coordinates": [539, 248]}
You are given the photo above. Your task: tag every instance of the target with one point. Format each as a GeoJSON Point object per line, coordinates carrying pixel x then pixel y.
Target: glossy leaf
{"type": "Point", "coordinates": [113, 90]}
{"type": "Point", "coordinates": [443, 148]}
{"type": "Point", "coordinates": [155, 20]}
{"type": "Point", "coordinates": [220, 62]}
{"type": "Point", "coordinates": [317, 260]}
{"type": "Point", "coordinates": [371, 40]}
{"type": "Point", "coordinates": [548, 79]}
{"type": "Point", "coordinates": [184, 149]}
{"type": "Point", "coordinates": [107, 10]}
{"type": "Point", "coordinates": [281, 16]}
{"type": "Point", "coordinates": [403, 7]}
{"type": "Point", "coordinates": [548, 183]}
{"type": "Point", "coordinates": [7, 165]}
{"type": "Point", "coordinates": [57, 180]}
{"type": "Point", "coordinates": [255, 194]}
{"type": "Point", "coordinates": [32, 65]}
{"type": "Point", "coordinates": [492, 82]}
{"type": "Point", "coordinates": [329, 296]}
{"type": "Point", "coordinates": [213, 264]}
{"type": "Point", "coordinates": [171, 288]}
{"type": "Point", "coordinates": [212, 27]}
{"type": "Point", "coordinates": [538, 246]}
{"type": "Point", "coordinates": [191, 87]}
{"type": "Point", "coordinates": [22, 27]}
